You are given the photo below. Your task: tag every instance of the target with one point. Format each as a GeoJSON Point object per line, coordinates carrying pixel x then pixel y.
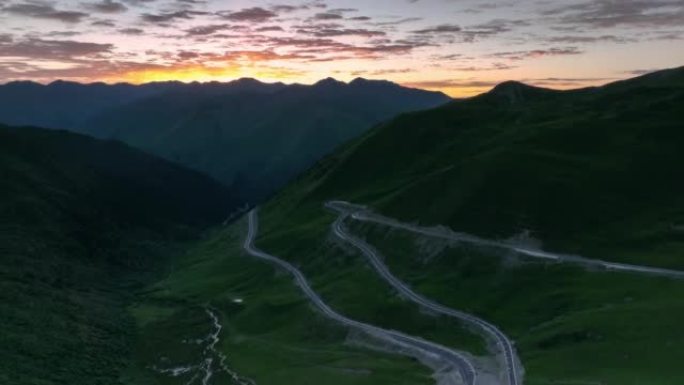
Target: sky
{"type": "Point", "coordinates": [460, 47]}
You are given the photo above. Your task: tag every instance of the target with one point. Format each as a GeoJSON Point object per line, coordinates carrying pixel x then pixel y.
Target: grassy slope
{"type": "Point", "coordinates": [597, 172]}
{"type": "Point", "coordinates": [84, 222]}
{"type": "Point", "coordinates": [273, 337]}
{"type": "Point", "coordinates": [593, 171]}
{"type": "Point", "coordinates": [569, 324]}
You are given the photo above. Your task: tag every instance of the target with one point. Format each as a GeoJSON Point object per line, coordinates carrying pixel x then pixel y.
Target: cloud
{"type": "Point", "coordinates": [474, 32]}
{"type": "Point", "coordinates": [575, 39]}
{"type": "Point", "coordinates": [536, 53]}
{"type": "Point", "coordinates": [612, 13]}
{"type": "Point", "coordinates": [450, 83]}
{"type": "Point", "coordinates": [391, 23]}
{"type": "Point", "coordinates": [171, 16]}
{"type": "Point", "coordinates": [131, 31]}
{"type": "Point", "coordinates": [336, 30]}
{"type": "Point", "coordinates": [487, 7]}
{"type": "Point", "coordinates": [439, 29]}
{"type": "Point", "coordinates": [209, 29]}
{"type": "Point", "coordinates": [492, 67]}
{"type": "Point", "coordinates": [106, 6]}
{"type": "Point", "coordinates": [43, 10]}
{"type": "Point", "coordinates": [33, 48]}
{"type": "Point", "coordinates": [328, 16]}
{"type": "Point", "coordinates": [254, 15]}
{"type": "Point", "coordinates": [103, 23]}
{"type": "Point", "coordinates": [270, 28]}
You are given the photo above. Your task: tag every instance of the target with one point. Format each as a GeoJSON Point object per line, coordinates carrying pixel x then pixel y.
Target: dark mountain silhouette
{"type": "Point", "coordinates": [66, 105]}
{"type": "Point", "coordinates": [256, 141]}
{"type": "Point", "coordinates": [247, 134]}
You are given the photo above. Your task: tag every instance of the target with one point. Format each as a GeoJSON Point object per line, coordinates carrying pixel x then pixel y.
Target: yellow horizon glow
{"type": "Point", "coordinates": [228, 71]}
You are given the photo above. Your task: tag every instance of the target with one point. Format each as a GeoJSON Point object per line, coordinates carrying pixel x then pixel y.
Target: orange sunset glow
{"type": "Point", "coordinates": [461, 48]}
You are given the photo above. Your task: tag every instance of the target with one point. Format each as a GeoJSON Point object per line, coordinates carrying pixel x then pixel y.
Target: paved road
{"type": "Point", "coordinates": [416, 347]}
{"type": "Point", "coordinates": [505, 345]}
{"type": "Point", "coordinates": [362, 214]}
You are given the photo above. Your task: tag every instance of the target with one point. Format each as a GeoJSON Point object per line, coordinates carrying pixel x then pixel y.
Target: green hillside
{"type": "Point", "coordinates": [83, 224]}
{"type": "Point", "coordinates": [595, 172]}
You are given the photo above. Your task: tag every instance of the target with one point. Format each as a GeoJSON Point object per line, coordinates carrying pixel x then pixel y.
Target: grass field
{"type": "Point", "coordinates": [571, 326]}
{"type": "Point", "coordinates": [273, 336]}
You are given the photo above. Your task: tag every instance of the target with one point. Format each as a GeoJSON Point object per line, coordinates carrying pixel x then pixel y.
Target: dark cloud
{"type": "Point", "coordinates": [328, 16]}
{"type": "Point", "coordinates": [63, 33]}
{"type": "Point", "coordinates": [611, 13]}
{"type": "Point", "coordinates": [186, 55]}
{"type": "Point", "coordinates": [138, 3]}
{"type": "Point", "coordinates": [131, 31]}
{"type": "Point", "coordinates": [493, 27]}
{"type": "Point", "coordinates": [397, 22]}
{"type": "Point", "coordinates": [536, 53]}
{"type": "Point", "coordinates": [270, 28]}
{"type": "Point", "coordinates": [34, 48]}
{"type": "Point", "coordinates": [328, 49]}
{"type": "Point", "coordinates": [475, 32]}
{"type": "Point", "coordinates": [286, 8]}
{"type": "Point", "coordinates": [333, 30]}
{"type": "Point", "coordinates": [106, 6]}
{"type": "Point", "coordinates": [171, 16]}
{"type": "Point", "coordinates": [207, 29]}
{"type": "Point", "coordinates": [254, 15]}
{"type": "Point", "coordinates": [44, 10]}
{"type": "Point", "coordinates": [439, 29]}
{"type": "Point", "coordinates": [575, 39]}
{"type": "Point", "coordinates": [103, 23]}
{"type": "Point", "coordinates": [487, 7]}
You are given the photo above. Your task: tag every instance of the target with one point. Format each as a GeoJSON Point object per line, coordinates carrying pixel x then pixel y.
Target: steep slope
{"type": "Point", "coordinates": [257, 141]}
{"type": "Point", "coordinates": [595, 172]}
{"type": "Point", "coordinates": [590, 171]}
{"type": "Point", "coordinates": [83, 223]}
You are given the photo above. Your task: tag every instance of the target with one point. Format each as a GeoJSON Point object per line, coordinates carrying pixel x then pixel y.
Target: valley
{"type": "Point", "coordinates": [521, 236]}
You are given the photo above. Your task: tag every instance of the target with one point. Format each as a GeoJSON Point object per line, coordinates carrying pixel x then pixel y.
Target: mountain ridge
{"type": "Point", "coordinates": [222, 133]}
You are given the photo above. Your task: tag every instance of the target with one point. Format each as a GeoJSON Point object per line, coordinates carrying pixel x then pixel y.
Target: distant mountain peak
{"type": "Point", "coordinates": [363, 82]}
{"type": "Point", "coordinates": [511, 86]}
{"type": "Point", "coordinates": [329, 82]}
{"type": "Point", "coordinates": [247, 80]}
{"type": "Point", "coordinates": [516, 92]}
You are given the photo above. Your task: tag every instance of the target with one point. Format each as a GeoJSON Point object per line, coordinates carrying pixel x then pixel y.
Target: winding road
{"type": "Point", "coordinates": [361, 213]}
{"type": "Point", "coordinates": [413, 346]}
{"type": "Point", "coordinates": [510, 361]}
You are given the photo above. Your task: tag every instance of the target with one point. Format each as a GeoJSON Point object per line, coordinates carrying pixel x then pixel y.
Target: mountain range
{"type": "Point", "coordinates": [249, 135]}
